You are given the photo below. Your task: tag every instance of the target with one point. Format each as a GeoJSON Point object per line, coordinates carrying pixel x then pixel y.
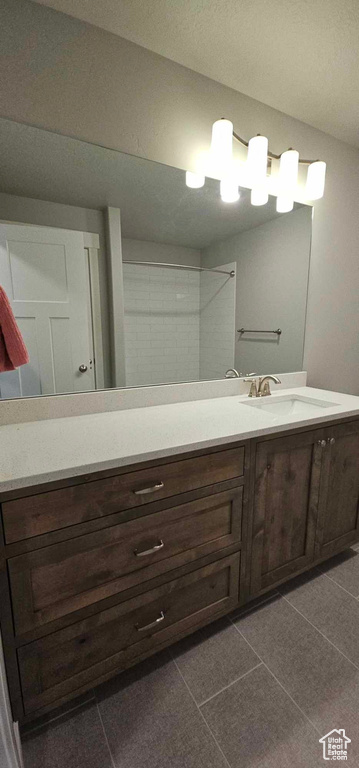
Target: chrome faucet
{"type": "Point", "coordinates": [263, 386]}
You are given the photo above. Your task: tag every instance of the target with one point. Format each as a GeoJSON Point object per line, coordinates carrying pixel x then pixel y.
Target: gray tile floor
{"type": "Point", "coordinates": [255, 690]}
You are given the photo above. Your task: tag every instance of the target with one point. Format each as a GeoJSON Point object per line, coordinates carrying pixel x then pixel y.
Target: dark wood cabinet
{"type": "Point", "coordinates": [305, 501]}
{"type": "Point", "coordinates": [98, 572]}
{"type": "Point", "coordinates": [285, 507]}
{"type": "Point", "coordinates": [102, 571]}
{"type": "Point", "coordinates": [338, 523]}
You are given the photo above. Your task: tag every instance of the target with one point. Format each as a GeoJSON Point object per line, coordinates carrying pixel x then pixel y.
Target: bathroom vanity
{"type": "Point", "coordinates": [104, 562]}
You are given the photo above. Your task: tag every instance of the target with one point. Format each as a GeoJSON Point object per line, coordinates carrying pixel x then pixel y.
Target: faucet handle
{"type": "Point", "coordinates": [253, 388]}
{"type": "Point", "coordinates": [266, 389]}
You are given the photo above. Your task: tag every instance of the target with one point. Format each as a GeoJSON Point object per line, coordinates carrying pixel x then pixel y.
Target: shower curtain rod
{"type": "Point", "coordinates": [179, 266]}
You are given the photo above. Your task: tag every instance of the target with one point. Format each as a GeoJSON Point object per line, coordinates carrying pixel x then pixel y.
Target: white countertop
{"type": "Point", "coordinates": [42, 451]}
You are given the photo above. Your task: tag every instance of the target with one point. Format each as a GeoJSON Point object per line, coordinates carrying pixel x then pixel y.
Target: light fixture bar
{"type": "Point", "coordinates": [271, 154]}
{"type": "Point", "coordinates": [258, 172]}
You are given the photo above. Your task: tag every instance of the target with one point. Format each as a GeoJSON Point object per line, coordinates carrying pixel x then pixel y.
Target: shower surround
{"type": "Point", "coordinates": [179, 324]}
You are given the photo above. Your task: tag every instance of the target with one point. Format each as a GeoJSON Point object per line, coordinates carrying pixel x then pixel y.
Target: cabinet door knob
{"type": "Point", "coordinates": [331, 440]}
{"type": "Point", "coordinates": [322, 443]}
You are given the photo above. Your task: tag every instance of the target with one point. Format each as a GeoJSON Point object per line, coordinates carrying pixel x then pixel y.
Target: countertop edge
{"type": "Point", "coordinates": [46, 477]}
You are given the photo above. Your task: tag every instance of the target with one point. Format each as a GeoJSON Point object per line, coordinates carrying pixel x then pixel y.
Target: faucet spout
{"type": "Point", "coordinates": [264, 388]}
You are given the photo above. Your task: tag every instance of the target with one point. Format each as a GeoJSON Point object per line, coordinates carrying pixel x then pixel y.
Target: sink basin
{"type": "Point", "coordinates": [290, 405]}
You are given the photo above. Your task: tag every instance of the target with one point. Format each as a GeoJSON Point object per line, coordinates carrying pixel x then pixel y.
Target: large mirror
{"type": "Point", "coordinates": [120, 275]}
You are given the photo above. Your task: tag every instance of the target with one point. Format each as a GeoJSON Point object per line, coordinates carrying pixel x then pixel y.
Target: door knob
{"type": "Point", "coordinates": [331, 440]}
{"type": "Point", "coordinates": [83, 368]}
{"type": "Point", "coordinates": [322, 443]}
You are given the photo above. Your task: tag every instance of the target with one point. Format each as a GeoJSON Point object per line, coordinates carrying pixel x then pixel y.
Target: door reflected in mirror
{"type": "Point", "coordinates": [120, 275]}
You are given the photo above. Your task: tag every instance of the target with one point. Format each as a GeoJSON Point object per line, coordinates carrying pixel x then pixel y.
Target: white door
{"type": "Point", "coordinates": [44, 272]}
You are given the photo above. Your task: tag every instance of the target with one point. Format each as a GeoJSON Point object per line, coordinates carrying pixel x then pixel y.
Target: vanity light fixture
{"type": "Point", "coordinates": [314, 189]}
{"type": "Point", "coordinates": [229, 191]}
{"type": "Point", "coordinates": [284, 204]}
{"type": "Point", "coordinates": [257, 169]}
{"type": "Point", "coordinates": [287, 180]}
{"type": "Point", "coordinates": [259, 196]}
{"type": "Point", "coordinates": [221, 153]}
{"type": "Point", "coordinates": [257, 162]}
{"type": "Point", "coordinates": [194, 180]}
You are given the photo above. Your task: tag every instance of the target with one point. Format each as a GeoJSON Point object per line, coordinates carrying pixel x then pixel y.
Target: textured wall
{"type": "Point", "coordinates": [61, 74]}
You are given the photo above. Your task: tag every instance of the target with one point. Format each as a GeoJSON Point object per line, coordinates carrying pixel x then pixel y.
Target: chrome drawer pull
{"type": "Point", "coordinates": [149, 551]}
{"type": "Point", "coordinates": [151, 489]}
{"type": "Point", "coordinates": [153, 623]}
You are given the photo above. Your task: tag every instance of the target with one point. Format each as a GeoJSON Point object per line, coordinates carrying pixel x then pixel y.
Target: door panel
{"type": "Point", "coordinates": [339, 497]}
{"type": "Point", "coordinates": [286, 496]}
{"type": "Point", "coordinates": [45, 275]}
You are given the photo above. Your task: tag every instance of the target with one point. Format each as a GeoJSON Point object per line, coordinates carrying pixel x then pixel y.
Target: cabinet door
{"type": "Point", "coordinates": [338, 522]}
{"type": "Point", "coordinates": [286, 497]}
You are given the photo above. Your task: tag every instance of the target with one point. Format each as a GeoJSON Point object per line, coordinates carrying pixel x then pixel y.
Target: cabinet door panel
{"type": "Point", "coordinates": [339, 497]}
{"type": "Point", "coordinates": [286, 494]}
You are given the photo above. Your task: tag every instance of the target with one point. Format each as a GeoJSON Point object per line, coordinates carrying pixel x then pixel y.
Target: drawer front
{"type": "Point", "coordinates": [57, 580]}
{"type": "Point", "coordinates": [50, 511]}
{"type": "Point", "coordinates": [112, 640]}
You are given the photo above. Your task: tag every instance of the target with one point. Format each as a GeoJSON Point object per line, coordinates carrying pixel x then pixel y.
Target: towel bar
{"type": "Point", "coordinates": [248, 330]}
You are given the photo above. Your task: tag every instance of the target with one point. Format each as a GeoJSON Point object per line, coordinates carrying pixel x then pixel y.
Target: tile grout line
{"type": "Point", "coordinates": [293, 700]}
{"type": "Point", "coordinates": [338, 585]}
{"type": "Point", "coordinates": [279, 683]}
{"type": "Point", "coordinates": [321, 633]}
{"type": "Point", "coordinates": [198, 709]}
{"type": "Point", "coordinates": [104, 733]}
{"type": "Point", "coordinates": [325, 575]}
{"type": "Point", "coordinates": [230, 684]}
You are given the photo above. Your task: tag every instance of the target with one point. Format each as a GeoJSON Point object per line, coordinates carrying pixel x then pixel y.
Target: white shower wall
{"type": "Point", "coordinates": [161, 324]}
{"type": "Point", "coordinates": [179, 324]}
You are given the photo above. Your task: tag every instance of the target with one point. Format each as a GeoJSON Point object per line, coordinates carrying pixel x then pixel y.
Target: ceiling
{"type": "Point", "coordinates": [155, 203]}
{"type": "Point", "coordinates": [298, 56]}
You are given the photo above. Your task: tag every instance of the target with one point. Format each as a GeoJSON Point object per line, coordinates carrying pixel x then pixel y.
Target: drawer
{"type": "Point", "coordinates": [50, 511]}
{"type": "Point", "coordinates": [57, 580]}
{"type": "Point", "coordinates": [108, 642]}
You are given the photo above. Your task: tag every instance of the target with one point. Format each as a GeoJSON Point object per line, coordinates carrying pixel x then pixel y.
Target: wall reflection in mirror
{"type": "Point", "coordinates": [119, 275]}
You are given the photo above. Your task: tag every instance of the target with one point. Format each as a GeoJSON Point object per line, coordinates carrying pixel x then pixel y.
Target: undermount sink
{"type": "Point", "coordinates": [289, 405]}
